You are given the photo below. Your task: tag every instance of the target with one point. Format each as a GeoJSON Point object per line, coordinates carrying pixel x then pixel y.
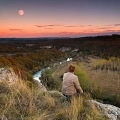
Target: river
{"type": "Point", "coordinates": [37, 75]}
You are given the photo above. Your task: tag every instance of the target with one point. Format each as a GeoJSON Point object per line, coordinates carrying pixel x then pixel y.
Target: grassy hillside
{"type": "Point", "coordinates": [23, 101]}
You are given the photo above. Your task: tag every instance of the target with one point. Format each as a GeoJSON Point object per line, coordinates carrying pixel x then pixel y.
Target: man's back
{"type": "Point", "coordinates": [68, 85]}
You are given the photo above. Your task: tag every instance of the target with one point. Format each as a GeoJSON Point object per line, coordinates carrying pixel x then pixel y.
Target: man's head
{"type": "Point", "coordinates": [71, 68]}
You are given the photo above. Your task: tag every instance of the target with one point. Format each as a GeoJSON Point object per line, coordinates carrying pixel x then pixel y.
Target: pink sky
{"type": "Point", "coordinates": [59, 18]}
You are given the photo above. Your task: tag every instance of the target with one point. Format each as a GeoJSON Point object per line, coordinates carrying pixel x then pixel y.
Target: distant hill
{"type": "Point", "coordinates": [103, 46]}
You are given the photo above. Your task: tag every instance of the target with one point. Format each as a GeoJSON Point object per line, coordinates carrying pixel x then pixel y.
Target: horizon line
{"type": "Point", "coordinates": [57, 37]}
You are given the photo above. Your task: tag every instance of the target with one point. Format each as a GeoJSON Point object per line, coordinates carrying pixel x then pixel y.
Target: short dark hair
{"type": "Point", "coordinates": [71, 68]}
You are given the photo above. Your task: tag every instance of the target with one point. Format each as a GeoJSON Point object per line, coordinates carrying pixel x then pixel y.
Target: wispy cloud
{"type": "Point", "coordinates": [112, 31]}
{"type": "Point", "coordinates": [42, 26]}
{"type": "Point", "coordinates": [109, 25]}
{"type": "Point", "coordinates": [53, 25]}
{"type": "Point", "coordinates": [56, 25]}
{"type": "Point", "coordinates": [15, 29]}
{"type": "Point", "coordinates": [70, 26]}
{"type": "Point", "coordinates": [89, 25]}
{"type": "Point", "coordinates": [69, 33]}
{"type": "Point", "coordinates": [116, 24]}
{"type": "Point", "coordinates": [82, 26]}
{"type": "Point", "coordinates": [49, 28]}
{"type": "Point", "coordinates": [104, 28]}
{"type": "Point", "coordinates": [113, 24]}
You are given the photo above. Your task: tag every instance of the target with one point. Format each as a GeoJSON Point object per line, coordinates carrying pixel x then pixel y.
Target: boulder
{"type": "Point", "coordinates": [7, 74]}
{"type": "Point", "coordinates": [2, 117]}
{"type": "Point", "coordinates": [58, 95]}
{"type": "Point", "coordinates": [110, 111]}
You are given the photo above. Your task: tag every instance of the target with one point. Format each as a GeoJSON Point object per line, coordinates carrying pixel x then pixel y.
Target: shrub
{"type": "Point", "coordinates": [48, 81]}
{"type": "Point", "coordinates": [82, 76]}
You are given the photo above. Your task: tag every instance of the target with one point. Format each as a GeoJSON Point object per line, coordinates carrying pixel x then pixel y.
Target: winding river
{"type": "Point", "coordinates": [37, 75]}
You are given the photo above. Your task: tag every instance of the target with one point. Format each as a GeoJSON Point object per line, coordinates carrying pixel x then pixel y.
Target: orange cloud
{"type": "Point", "coordinates": [70, 26]}
{"type": "Point", "coordinates": [104, 28]}
{"type": "Point", "coordinates": [46, 25]}
{"type": "Point", "coordinates": [56, 30]}
{"type": "Point", "coordinates": [116, 24]}
{"type": "Point", "coordinates": [15, 29]}
{"type": "Point", "coordinates": [113, 25]}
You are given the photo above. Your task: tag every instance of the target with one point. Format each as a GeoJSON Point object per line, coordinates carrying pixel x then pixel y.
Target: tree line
{"type": "Point", "coordinates": [28, 64]}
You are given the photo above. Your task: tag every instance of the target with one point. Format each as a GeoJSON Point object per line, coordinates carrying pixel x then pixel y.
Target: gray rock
{"type": "Point", "coordinates": [7, 74]}
{"type": "Point", "coordinates": [112, 112]}
{"type": "Point", "coordinates": [2, 117]}
{"type": "Point", "coordinates": [58, 95]}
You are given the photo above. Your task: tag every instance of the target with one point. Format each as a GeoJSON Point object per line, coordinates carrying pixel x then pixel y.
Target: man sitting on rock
{"type": "Point", "coordinates": [70, 84]}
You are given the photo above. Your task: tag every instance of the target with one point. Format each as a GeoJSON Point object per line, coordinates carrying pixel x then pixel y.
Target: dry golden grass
{"type": "Point", "coordinates": [76, 107]}
{"type": "Point", "coordinates": [107, 81]}
{"type": "Point", "coordinates": [79, 109]}
{"type": "Point", "coordinates": [23, 101]}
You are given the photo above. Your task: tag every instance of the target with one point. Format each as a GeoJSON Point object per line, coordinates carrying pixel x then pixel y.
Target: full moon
{"type": "Point", "coordinates": [20, 12]}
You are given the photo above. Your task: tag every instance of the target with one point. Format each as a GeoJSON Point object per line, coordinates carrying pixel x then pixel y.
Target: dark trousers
{"type": "Point", "coordinates": [68, 97]}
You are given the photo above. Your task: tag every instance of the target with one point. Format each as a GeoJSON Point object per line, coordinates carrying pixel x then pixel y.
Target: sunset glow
{"type": "Point", "coordinates": [59, 18]}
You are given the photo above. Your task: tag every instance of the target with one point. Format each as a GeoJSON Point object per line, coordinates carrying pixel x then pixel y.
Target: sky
{"type": "Point", "coordinates": [59, 18]}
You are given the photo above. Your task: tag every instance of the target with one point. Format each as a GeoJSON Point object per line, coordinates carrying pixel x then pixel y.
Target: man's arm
{"type": "Point", "coordinates": [77, 85]}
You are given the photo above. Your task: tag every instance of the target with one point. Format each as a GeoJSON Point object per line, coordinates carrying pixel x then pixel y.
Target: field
{"type": "Point", "coordinates": [104, 84]}
{"type": "Point", "coordinates": [107, 81]}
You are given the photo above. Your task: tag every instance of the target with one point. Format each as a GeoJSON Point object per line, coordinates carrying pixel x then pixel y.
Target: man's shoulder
{"type": "Point", "coordinates": [65, 73]}
{"type": "Point", "coordinates": [71, 74]}
{"type": "Point", "coordinates": [75, 76]}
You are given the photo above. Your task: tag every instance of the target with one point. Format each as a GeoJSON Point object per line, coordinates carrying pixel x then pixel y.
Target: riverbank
{"type": "Point", "coordinates": [55, 68]}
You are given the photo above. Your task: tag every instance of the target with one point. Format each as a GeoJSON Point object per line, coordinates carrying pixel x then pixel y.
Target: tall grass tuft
{"type": "Point", "coordinates": [113, 63]}
{"type": "Point", "coordinates": [18, 100]}
{"type": "Point", "coordinates": [79, 109]}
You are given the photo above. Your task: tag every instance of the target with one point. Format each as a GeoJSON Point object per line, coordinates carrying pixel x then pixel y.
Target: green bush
{"type": "Point", "coordinates": [118, 100]}
{"type": "Point", "coordinates": [82, 76]}
{"type": "Point", "coordinates": [48, 81]}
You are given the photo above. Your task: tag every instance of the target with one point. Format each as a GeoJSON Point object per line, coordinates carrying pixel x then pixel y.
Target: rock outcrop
{"type": "Point", "coordinates": [8, 75]}
{"type": "Point", "coordinates": [110, 111]}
